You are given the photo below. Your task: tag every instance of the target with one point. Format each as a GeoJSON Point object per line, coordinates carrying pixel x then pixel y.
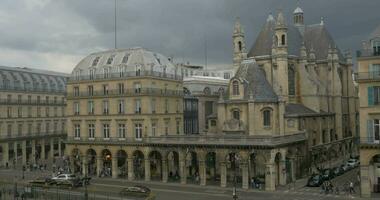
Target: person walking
{"type": "Point", "coordinates": [352, 190]}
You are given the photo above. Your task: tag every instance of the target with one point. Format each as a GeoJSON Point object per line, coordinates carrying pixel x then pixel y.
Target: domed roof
{"type": "Point", "coordinates": [123, 60]}
{"type": "Point", "coordinates": [298, 10]}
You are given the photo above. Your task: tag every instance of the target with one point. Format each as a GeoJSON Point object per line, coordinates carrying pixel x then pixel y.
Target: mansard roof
{"type": "Point", "coordinates": [314, 36]}
{"type": "Point", "coordinates": [256, 86]}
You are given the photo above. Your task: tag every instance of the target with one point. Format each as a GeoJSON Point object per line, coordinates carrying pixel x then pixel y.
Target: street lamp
{"type": "Point", "coordinates": [233, 159]}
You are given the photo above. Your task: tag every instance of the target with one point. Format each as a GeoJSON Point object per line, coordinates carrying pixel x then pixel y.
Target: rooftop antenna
{"type": "Point", "coordinates": [115, 27]}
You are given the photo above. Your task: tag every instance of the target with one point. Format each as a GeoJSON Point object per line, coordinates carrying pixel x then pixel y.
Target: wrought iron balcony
{"type": "Point", "coordinates": [361, 76]}
{"type": "Point", "coordinates": [370, 141]}
{"type": "Point", "coordinates": [121, 75]}
{"type": "Point", "coordinates": [204, 140]}
{"type": "Point", "coordinates": [34, 135]}
{"type": "Point", "coordinates": [31, 102]}
{"type": "Point", "coordinates": [127, 92]}
{"type": "Point", "coordinates": [38, 90]}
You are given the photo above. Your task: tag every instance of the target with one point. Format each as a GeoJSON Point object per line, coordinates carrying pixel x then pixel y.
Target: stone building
{"type": "Point", "coordinates": [32, 104]}
{"type": "Point", "coordinates": [368, 78]}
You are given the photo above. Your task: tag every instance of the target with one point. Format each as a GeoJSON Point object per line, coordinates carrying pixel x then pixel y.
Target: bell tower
{"type": "Point", "coordinates": [240, 52]}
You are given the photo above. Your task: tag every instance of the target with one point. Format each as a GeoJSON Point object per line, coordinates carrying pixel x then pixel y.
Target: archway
{"type": "Point", "coordinates": [211, 173]}
{"type": "Point", "coordinates": [91, 162]}
{"type": "Point", "coordinates": [106, 169]}
{"type": "Point", "coordinates": [122, 163]}
{"type": "Point", "coordinates": [192, 168]}
{"type": "Point", "coordinates": [155, 160]}
{"type": "Point", "coordinates": [234, 176]}
{"type": "Point", "coordinates": [138, 165]}
{"type": "Point", "coordinates": [173, 166]}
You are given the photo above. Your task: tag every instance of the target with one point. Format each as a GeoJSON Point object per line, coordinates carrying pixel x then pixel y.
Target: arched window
{"type": "Point", "coordinates": [240, 45]}
{"type": "Point", "coordinates": [266, 118]}
{"type": "Point", "coordinates": [236, 114]}
{"type": "Point", "coordinates": [291, 81]}
{"type": "Point", "coordinates": [235, 88]}
{"type": "Point", "coordinates": [283, 39]}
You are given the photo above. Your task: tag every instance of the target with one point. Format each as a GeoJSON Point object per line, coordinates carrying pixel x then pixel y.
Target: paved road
{"type": "Point", "coordinates": [107, 188]}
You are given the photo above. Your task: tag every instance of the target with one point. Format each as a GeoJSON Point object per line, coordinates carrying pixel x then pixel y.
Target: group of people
{"type": "Point", "coordinates": [328, 187]}
{"type": "Point", "coordinates": [255, 183]}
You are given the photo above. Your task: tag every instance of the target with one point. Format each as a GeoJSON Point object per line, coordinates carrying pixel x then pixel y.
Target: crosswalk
{"type": "Point", "coordinates": [317, 192]}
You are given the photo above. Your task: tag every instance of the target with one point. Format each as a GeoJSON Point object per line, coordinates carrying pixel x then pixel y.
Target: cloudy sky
{"type": "Point", "coordinates": [57, 34]}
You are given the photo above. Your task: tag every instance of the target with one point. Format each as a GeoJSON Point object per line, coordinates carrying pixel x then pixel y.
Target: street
{"type": "Point", "coordinates": [107, 188]}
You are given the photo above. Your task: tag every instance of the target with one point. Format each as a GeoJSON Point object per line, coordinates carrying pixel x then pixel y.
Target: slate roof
{"type": "Point", "coordinates": [315, 36]}
{"type": "Point", "coordinates": [293, 109]}
{"type": "Point", "coordinates": [256, 86]}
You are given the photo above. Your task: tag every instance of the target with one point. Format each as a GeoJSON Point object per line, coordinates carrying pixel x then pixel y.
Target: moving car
{"type": "Point", "coordinates": [135, 191]}
{"type": "Point", "coordinates": [67, 179]}
{"type": "Point", "coordinates": [353, 163]}
{"type": "Point", "coordinates": [315, 181]}
{"type": "Point", "coordinates": [42, 180]}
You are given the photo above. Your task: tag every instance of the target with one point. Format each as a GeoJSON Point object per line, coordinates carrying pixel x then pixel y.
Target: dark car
{"type": "Point", "coordinates": [338, 171]}
{"type": "Point", "coordinates": [135, 191]}
{"type": "Point", "coordinates": [328, 174]}
{"type": "Point", "coordinates": [315, 181]}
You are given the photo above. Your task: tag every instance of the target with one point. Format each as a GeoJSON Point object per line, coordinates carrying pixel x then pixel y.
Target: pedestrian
{"type": "Point", "coordinates": [352, 187]}
{"type": "Point", "coordinates": [252, 182]}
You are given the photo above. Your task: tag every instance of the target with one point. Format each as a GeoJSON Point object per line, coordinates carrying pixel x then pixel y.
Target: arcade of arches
{"type": "Point", "coordinates": [212, 166]}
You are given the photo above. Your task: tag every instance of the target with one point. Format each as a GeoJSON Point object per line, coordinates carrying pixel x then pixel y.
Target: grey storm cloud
{"type": "Point", "coordinates": [56, 34]}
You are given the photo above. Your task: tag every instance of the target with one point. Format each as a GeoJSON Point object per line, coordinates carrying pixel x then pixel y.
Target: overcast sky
{"type": "Point", "coordinates": [57, 34]}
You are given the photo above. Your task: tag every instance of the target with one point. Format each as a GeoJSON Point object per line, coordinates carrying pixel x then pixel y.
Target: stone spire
{"type": "Point", "coordinates": [280, 21]}
{"type": "Point", "coordinates": [239, 51]}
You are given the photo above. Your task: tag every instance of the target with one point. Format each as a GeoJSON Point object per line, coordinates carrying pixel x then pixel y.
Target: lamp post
{"type": "Point", "coordinates": [234, 159]}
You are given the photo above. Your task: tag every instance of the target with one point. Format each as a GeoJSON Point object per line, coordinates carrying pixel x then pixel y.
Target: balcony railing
{"type": "Point", "coordinates": [128, 92]}
{"type": "Point", "coordinates": [368, 76]}
{"type": "Point", "coordinates": [142, 73]}
{"type": "Point", "coordinates": [370, 141]}
{"type": "Point", "coordinates": [367, 53]}
{"type": "Point", "coordinates": [31, 135]}
{"type": "Point", "coordinates": [31, 102]}
{"type": "Point", "coordinates": [37, 90]}
{"type": "Point", "coordinates": [214, 140]}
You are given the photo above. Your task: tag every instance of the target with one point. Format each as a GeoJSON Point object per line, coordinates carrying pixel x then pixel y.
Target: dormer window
{"type": "Point", "coordinates": [106, 73]}
{"type": "Point", "coordinates": [266, 118]}
{"type": "Point", "coordinates": [125, 58]}
{"type": "Point", "coordinates": [236, 114]}
{"type": "Point", "coordinates": [110, 59]}
{"type": "Point", "coordinates": [95, 61]}
{"type": "Point", "coordinates": [235, 88]}
{"type": "Point", "coordinates": [376, 47]}
{"type": "Point", "coordinates": [283, 42]}
{"type": "Point", "coordinates": [138, 70]}
{"type": "Point", "coordinates": [92, 74]}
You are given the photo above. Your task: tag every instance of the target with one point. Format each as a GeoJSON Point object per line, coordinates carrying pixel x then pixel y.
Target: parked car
{"type": "Point", "coordinates": [353, 163]}
{"type": "Point", "coordinates": [67, 179]}
{"type": "Point", "coordinates": [345, 167]}
{"type": "Point", "coordinates": [42, 180]}
{"type": "Point", "coordinates": [338, 171]}
{"type": "Point", "coordinates": [328, 174]}
{"type": "Point", "coordinates": [135, 191]}
{"type": "Point", "coordinates": [315, 181]}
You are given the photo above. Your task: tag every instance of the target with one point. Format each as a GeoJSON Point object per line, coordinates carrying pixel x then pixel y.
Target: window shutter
{"type": "Point", "coordinates": [370, 131]}
{"type": "Point", "coordinates": [370, 96]}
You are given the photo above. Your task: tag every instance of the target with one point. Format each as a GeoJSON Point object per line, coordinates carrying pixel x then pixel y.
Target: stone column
{"type": "Point", "coordinates": [43, 150]}
{"type": "Point", "coordinates": [182, 170]}
{"type": "Point", "coordinates": [131, 176]}
{"type": "Point", "coordinates": [99, 165]}
{"type": "Point", "coordinates": [365, 185]}
{"type": "Point", "coordinates": [14, 153]}
{"type": "Point", "coordinates": [223, 174]}
{"type": "Point", "coordinates": [51, 153]}
{"type": "Point", "coordinates": [293, 172]}
{"type": "Point", "coordinates": [164, 171]}
{"type": "Point", "coordinates": [33, 143]}
{"type": "Point", "coordinates": [5, 147]}
{"type": "Point", "coordinates": [147, 169]}
{"type": "Point", "coordinates": [245, 175]}
{"type": "Point", "coordinates": [84, 166]}
{"type": "Point", "coordinates": [114, 167]}
{"type": "Point", "coordinates": [282, 172]}
{"type": "Point", "coordinates": [202, 172]}
{"type": "Point", "coordinates": [270, 177]}
{"type": "Point", "coordinates": [23, 149]}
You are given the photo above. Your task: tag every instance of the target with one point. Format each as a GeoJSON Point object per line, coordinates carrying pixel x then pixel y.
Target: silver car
{"type": "Point", "coordinates": [66, 179]}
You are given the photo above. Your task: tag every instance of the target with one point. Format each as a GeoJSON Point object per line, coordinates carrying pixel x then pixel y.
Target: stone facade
{"type": "Point", "coordinates": [368, 78]}
{"type": "Point", "coordinates": [33, 122]}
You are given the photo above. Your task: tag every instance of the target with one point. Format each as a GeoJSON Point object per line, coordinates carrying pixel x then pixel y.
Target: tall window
{"type": "Point", "coordinates": [235, 88]}
{"type": "Point", "coordinates": [30, 129]}
{"type": "Point", "coordinates": [90, 90]}
{"type": "Point", "coordinates": [266, 118]}
{"type": "Point", "coordinates": [291, 81]}
{"type": "Point", "coordinates": [376, 47]}
{"type": "Point", "coordinates": [120, 88]}
{"type": "Point", "coordinates": [105, 107]}
{"type": "Point", "coordinates": [29, 111]}
{"type": "Point", "coordinates": [121, 107]}
{"type": "Point", "coordinates": [76, 130]}
{"type": "Point", "coordinates": [92, 74]}
{"type": "Point", "coordinates": [19, 111]}
{"type": "Point", "coordinates": [105, 89]}
{"type": "Point", "coordinates": [76, 92]}
{"type": "Point", "coordinates": [91, 130]}
{"type": "Point", "coordinates": [138, 131]}
{"type": "Point", "coordinates": [9, 130]}
{"type": "Point", "coordinates": [47, 128]}
{"type": "Point", "coordinates": [177, 127]}
{"type": "Point", "coordinates": [106, 73]}
{"type": "Point", "coordinates": [47, 112]}
{"type": "Point", "coordinates": [19, 98]}
{"type": "Point", "coordinates": [154, 127]}
{"type": "Point", "coordinates": [106, 131]}
{"type": "Point", "coordinates": [38, 111]}
{"type": "Point", "coordinates": [376, 131]}
{"type": "Point", "coordinates": [283, 41]}
{"type": "Point", "coordinates": [236, 114]}
{"type": "Point", "coordinates": [55, 112]}
{"type": "Point", "coordinates": [177, 106]}
{"type": "Point", "coordinates": [90, 107]}
{"type": "Point", "coordinates": [138, 106]}
{"type": "Point", "coordinates": [122, 130]}
{"type": "Point", "coordinates": [19, 129]}
{"type": "Point", "coordinates": [166, 128]}
{"type": "Point", "coordinates": [55, 127]}
{"type": "Point", "coordinates": [138, 70]}
{"type": "Point", "coordinates": [76, 108]}
{"type": "Point", "coordinates": [9, 112]}
{"type": "Point", "coordinates": [153, 105]}
{"type": "Point", "coordinates": [166, 105]}
{"type": "Point", "coordinates": [137, 88]}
